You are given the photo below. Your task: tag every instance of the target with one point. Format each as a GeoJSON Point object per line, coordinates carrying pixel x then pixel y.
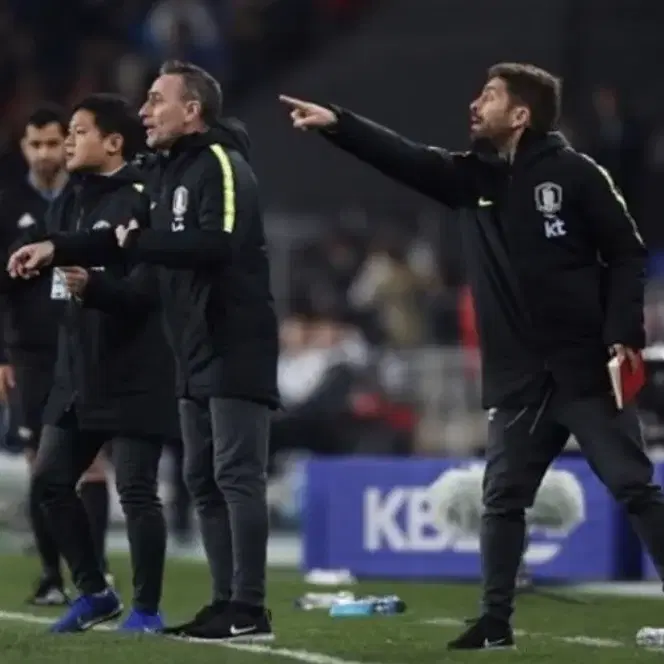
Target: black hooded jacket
{"type": "Point", "coordinates": [206, 231]}
{"type": "Point", "coordinates": [29, 316]}
{"type": "Point", "coordinates": [114, 366]}
{"type": "Point", "coordinates": [554, 259]}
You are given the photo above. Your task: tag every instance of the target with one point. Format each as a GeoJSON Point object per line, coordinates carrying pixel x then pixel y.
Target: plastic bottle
{"type": "Point", "coordinates": [368, 606]}
{"type": "Point", "coordinates": [311, 601]}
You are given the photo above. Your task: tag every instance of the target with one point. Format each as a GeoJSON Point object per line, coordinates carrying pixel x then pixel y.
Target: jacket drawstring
{"type": "Point", "coordinates": [541, 409]}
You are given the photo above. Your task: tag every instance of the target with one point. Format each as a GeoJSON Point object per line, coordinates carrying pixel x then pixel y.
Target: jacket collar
{"type": "Point", "coordinates": [533, 145]}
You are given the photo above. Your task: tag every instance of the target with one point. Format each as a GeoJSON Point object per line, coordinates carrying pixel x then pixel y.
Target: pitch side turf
{"type": "Point", "coordinates": [602, 629]}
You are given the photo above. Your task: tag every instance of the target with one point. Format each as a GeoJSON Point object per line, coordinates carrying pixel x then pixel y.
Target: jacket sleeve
{"type": "Point", "coordinates": [87, 248]}
{"type": "Point", "coordinates": [133, 295]}
{"type": "Point", "coordinates": [94, 247]}
{"type": "Point", "coordinates": [208, 244]}
{"type": "Point", "coordinates": [623, 250]}
{"type": "Point", "coordinates": [447, 177]}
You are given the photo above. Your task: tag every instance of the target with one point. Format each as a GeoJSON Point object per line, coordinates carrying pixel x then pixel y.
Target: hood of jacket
{"type": "Point", "coordinates": [228, 132]}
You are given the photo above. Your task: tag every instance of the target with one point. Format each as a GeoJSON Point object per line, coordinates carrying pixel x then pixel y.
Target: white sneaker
{"type": "Point", "coordinates": [650, 637]}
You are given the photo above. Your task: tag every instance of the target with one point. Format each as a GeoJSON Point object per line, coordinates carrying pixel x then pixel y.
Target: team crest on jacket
{"type": "Point", "coordinates": [180, 202]}
{"type": "Point", "coordinates": [26, 221]}
{"type": "Point", "coordinates": [548, 198]}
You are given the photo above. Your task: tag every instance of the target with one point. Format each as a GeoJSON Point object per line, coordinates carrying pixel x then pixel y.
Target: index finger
{"type": "Point", "coordinates": [18, 255]}
{"type": "Point", "coordinates": [292, 101]}
{"type": "Point", "coordinates": [15, 261]}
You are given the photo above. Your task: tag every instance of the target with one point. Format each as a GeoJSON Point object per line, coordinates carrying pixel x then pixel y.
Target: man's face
{"type": "Point", "coordinates": [166, 112]}
{"type": "Point", "coordinates": [494, 114]}
{"type": "Point", "coordinates": [44, 149]}
{"type": "Point", "coordinates": [86, 148]}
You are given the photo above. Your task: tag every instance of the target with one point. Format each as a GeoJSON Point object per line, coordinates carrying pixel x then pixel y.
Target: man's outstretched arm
{"type": "Point", "coordinates": [446, 176]}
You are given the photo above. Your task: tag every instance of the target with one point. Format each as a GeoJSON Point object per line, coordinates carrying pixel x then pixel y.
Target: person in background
{"type": "Point", "coordinates": [29, 335]}
{"type": "Point", "coordinates": [321, 359]}
{"type": "Point", "coordinates": [618, 139]}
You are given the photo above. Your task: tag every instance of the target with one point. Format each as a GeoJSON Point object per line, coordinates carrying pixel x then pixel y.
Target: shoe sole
{"type": "Point", "coordinates": [244, 638]}
{"type": "Point", "coordinates": [100, 621]}
{"type": "Point", "coordinates": [483, 649]}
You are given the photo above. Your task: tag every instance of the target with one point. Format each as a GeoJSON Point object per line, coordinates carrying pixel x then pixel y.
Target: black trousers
{"type": "Point", "coordinates": [522, 445]}
{"type": "Point", "coordinates": [34, 379]}
{"type": "Point", "coordinates": [179, 509]}
{"type": "Point", "coordinates": [225, 469]}
{"type": "Point", "coordinates": [64, 454]}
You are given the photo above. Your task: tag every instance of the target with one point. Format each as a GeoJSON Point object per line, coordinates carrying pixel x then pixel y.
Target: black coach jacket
{"type": "Point", "coordinates": [554, 259]}
{"type": "Point", "coordinates": [114, 366]}
{"type": "Point", "coordinates": [206, 233]}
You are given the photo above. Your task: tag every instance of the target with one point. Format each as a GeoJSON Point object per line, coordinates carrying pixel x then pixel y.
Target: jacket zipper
{"type": "Point", "coordinates": [178, 328]}
{"type": "Point", "coordinates": [526, 312]}
{"type": "Point", "coordinates": [73, 306]}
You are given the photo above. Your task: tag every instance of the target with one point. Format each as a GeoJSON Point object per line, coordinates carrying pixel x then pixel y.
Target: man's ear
{"type": "Point", "coordinates": [193, 109]}
{"type": "Point", "coordinates": [521, 116]}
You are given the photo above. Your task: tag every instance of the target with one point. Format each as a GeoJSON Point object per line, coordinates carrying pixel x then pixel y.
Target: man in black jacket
{"type": "Point", "coordinates": [30, 324]}
{"type": "Point", "coordinates": [207, 233]}
{"type": "Point", "coordinates": [114, 376]}
{"type": "Point", "coordinates": [557, 269]}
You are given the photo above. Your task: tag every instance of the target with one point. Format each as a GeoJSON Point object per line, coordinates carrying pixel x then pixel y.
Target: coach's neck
{"type": "Point", "coordinates": [508, 149]}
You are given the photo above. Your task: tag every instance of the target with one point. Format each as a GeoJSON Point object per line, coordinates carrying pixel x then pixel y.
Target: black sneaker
{"type": "Point", "coordinates": [238, 624]}
{"type": "Point", "coordinates": [49, 592]}
{"type": "Point", "coordinates": [484, 634]}
{"type": "Point", "coordinates": [203, 616]}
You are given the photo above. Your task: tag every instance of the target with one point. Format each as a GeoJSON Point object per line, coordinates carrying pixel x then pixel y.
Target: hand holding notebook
{"type": "Point", "coordinates": [627, 374]}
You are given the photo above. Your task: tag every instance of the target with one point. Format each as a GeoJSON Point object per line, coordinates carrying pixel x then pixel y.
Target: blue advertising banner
{"type": "Point", "coordinates": [408, 518]}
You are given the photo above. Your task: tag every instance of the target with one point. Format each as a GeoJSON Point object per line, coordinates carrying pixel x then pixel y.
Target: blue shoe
{"type": "Point", "coordinates": [88, 611]}
{"type": "Point", "coordinates": [138, 621]}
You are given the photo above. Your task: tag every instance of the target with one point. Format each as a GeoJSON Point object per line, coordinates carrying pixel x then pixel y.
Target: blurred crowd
{"type": "Point", "coordinates": [63, 51]}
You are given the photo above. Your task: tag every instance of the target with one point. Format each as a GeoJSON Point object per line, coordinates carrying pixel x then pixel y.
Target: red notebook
{"type": "Point", "coordinates": [626, 384]}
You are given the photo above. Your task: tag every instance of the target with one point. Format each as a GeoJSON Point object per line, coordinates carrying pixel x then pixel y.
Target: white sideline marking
{"type": "Point", "coordinates": [297, 655]}
{"type": "Point", "coordinates": [590, 641]}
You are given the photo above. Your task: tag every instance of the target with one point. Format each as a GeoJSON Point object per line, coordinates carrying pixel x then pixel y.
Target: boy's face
{"type": "Point", "coordinates": [85, 147]}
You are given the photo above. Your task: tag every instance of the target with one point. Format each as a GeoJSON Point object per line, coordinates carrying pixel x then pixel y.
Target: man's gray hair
{"type": "Point", "coordinates": [198, 85]}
